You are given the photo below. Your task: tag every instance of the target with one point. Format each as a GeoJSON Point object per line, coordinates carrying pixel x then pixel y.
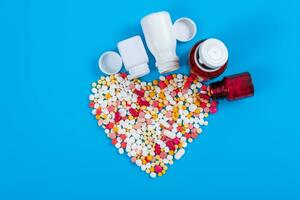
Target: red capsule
{"type": "Point", "coordinates": [114, 141]}
{"type": "Point", "coordinates": [162, 84]}
{"type": "Point", "coordinates": [179, 128]}
{"type": "Point", "coordinates": [204, 87]}
{"type": "Point", "coordinates": [157, 149]}
{"type": "Point", "coordinates": [187, 85]}
{"type": "Point", "coordinates": [123, 145]}
{"type": "Point", "coordinates": [213, 110]}
{"type": "Point", "coordinates": [158, 169]}
{"type": "Point", "coordinates": [123, 136]}
{"type": "Point", "coordinates": [194, 135]}
{"type": "Point", "coordinates": [203, 105]}
{"type": "Point", "coordinates": [170, 145]}
{"type": "Point", "coordinates": [139, 92]}
{"type": "Point", "coordinates": [176, 140]}
{"type": "Point", "coordinates": [117, 117]}
{"type": "Point", "coordinates": [169, 77]}
{"type": "Point", "coordinates": [214, 103]}
{"type": "Point", "coordinates": [91, 104]}
{"type": "Point", "coordinates": [134, 112]}
{"type": "Point", "coordinates": [98, 111]}
{"type": "Point", "coordinates": [110, 125]}
{"type": "Point", "coordinates": [123, 75]}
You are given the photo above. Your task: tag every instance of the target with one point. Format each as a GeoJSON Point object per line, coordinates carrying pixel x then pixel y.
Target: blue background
{"type": "Point", "coordinates": [52, 148]}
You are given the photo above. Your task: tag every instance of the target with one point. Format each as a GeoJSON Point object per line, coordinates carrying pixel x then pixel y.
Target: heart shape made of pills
{"type": "Point", "coordinates": [152, 122]}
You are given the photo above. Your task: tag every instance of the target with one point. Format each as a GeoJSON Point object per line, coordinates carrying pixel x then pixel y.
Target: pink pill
{"type": "Point", "coordinates": [149, 121]}
{"type": "Point", "coordinates": [184, 91]}
{"type": "Point", "coordinates": [112, 136]}
{"type": "Point", "coordinates": [173, 94]}
{"type": "Point", "coordinates": [191, 126]}
{"type": "Point", "coordinates": [131, 86]}
{"type": "Point", "coordinates": [168, 114]}
{"type": "Point", "coordinates": [141, 120]}
{"type": "Point", "coordinates": [155, 103]}
{"type": "Point", "coordinates": [194, 130]}
{"type": "Point", "coordinates": [111, 108]}
{"type": "Point", "coordinates": [142, 114]}
{"type": "Point", "coordinates": [163, 155]}
{"type": "Point", "coordinates": [133, 159]}
{"type": "Point", "coordinates": [137, 126]}
{"type": "Point", "coordinates": [100, 122]}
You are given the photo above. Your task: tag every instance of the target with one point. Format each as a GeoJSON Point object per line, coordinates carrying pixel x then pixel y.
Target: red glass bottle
{"type": "Point", "coordinates": [208, 58]}
{"type": "Point", "coordinates": [232, 87]}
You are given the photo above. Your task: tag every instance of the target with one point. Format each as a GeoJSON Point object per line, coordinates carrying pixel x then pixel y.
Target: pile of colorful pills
{"type": "Point", "coordinates": [151, 122]}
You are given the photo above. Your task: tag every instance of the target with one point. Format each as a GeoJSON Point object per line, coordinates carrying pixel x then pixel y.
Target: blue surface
{"type": "Point", "coordinates": [52, 148]}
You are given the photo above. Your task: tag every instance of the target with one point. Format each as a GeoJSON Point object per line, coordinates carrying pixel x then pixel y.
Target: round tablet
{"type": "Point", "coordinates": [110, 62]}
{"type": "Point", "coordinates": [185, 29]}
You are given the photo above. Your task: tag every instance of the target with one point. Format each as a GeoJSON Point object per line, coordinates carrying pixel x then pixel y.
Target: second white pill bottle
{"type": "Point", "coordinates": [161, 41]}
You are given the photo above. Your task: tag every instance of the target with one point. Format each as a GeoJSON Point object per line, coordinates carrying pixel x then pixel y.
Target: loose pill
{"type": "Point", "coordinates": [179, 154]}
{"type": "Point", "coordinates": [151, 122]}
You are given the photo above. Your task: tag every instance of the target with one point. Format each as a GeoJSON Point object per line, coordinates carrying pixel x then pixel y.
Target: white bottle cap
{"type": "Point", "coordinates": [134, 56]}
{"type": "Point", "coordinates": [213, 53]}
{"type": "Point", "coordinates": [185, 29]}
{"type": "Point", "coordinates": [110, 62]}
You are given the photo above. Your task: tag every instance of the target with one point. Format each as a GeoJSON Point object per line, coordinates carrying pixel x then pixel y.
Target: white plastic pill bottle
{"type": "Point", "coordinates": [161, 41]}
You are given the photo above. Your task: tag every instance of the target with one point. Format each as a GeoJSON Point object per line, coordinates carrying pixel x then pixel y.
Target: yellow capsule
{"type": "Point", "coordinates": [130, 117]}
{"type": "Point", "coordinates": [149, 158]}
{"type": "Point", "coordinates": [97, 117]}
{"type": "Point", "coordinates": [155, 82]}
{"type": "Point", "coordinates": [185, 125]}
{"type": "Point", "coordinates": [152, 94]}
{"type": "Point", "coordinates": [115, 129]}
{"type": "Point", "coordinates": [159, 174]}
{"type": "Point", "coordinates": [104, 116]}
{"type": "Point", "coordinates": [152, 169]}
{"type": "Point", "coordinates": [144, 162]}
{"type": "Point", "coordinates": [197, 111]}
{"type": "Point", "coordinates": [171, 152]}
{"type": "Point", "coordinates": [180, 145]}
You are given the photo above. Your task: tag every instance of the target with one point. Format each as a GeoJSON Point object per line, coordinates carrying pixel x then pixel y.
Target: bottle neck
{"type": "Point", "coordinates": [217, 90]}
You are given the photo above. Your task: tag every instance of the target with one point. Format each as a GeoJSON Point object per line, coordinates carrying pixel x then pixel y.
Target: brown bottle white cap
{"type": "Point", "coordinates": [213, 53]}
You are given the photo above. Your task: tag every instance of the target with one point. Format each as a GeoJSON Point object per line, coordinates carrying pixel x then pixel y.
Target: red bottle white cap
{"type": "Point", "coordinates": [213, 53]}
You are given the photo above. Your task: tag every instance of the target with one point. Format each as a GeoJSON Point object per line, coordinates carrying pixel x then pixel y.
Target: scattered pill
{"type": "Point", "coordinates": [152, 122]}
